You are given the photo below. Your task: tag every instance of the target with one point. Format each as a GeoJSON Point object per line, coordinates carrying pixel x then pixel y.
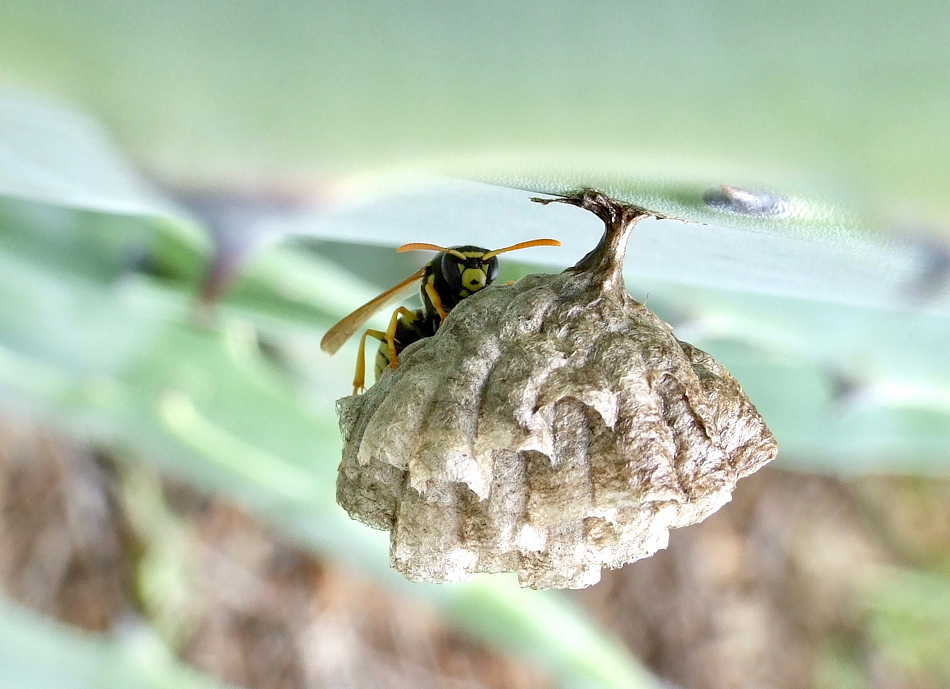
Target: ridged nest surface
{"type": "Point", "coordinates": [551, 427]}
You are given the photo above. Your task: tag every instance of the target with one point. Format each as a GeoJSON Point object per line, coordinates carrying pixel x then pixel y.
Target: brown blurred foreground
{"type": "Point", "coordinates": [91, 543]}
{"type": "Point", "coordinates": [773, 590]}
{"type": "Point", "coordinates": [770, 592]}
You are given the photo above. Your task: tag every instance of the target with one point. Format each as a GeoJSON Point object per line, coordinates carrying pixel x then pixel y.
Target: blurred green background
{"type": "Point", "coordinates": [191, 193]}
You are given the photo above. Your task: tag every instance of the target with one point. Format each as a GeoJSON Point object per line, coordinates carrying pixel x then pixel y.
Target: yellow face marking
{"type": "Point", "coordinates": [473, 279]}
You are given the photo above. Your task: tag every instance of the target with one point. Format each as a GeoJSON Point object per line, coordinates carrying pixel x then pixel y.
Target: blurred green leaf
{"type": "Point", "coordinates": [845, 96]}
{"type": "Point", "coordinates": [790, 257]}
{"type": "Point", "coordinates": [544, 624]}
{"type": "Point", "coordinates": [839, 666]}
{"type": "Point", "coordinates": [38, 653]}
{"type": "Point", "coordinates": [51, 154]}
{"type": "Point", "coordinates": [910, 621]}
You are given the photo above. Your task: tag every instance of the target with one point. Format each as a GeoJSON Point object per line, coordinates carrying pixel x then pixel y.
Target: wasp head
{"type": "Point", "coordinates": [466, 269]}
{"type": "Point", "coordinates": [461, 271]}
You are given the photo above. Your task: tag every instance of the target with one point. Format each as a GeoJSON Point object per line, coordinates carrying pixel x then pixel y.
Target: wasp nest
{"type": "Point", "coordinates": [551, 427]}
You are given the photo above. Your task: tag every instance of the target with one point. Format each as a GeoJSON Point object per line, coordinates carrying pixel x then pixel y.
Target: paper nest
{"type": "Point", "coordinates": [551, 428]}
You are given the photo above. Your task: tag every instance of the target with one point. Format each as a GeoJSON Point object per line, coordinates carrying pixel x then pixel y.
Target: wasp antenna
{"type": "Point", "coordinates": [422, 246]}
{"type": "Point", "coordinates": [523, 245]}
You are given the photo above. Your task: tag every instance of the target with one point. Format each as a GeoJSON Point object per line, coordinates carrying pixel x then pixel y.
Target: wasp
{"type": "Point", "coordinates": [454, 274]}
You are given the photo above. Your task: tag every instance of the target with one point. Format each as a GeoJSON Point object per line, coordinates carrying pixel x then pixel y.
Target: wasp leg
{"type": "Point", "coordinates": [436, 302]}
{"type": "Point", "coordinates": [391, 333]}
{"type": "Point", "coordinates": [359, 378]}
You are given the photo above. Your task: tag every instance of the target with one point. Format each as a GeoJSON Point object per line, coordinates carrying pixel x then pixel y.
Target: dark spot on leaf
{"type": "Point", "coordinates": [846, 388]}
{"type": "Point", "coordinates": [933, 272]}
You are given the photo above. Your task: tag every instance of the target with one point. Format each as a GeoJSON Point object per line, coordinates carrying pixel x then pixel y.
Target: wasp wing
{"type": "Point", "coordinates": [343, 331]}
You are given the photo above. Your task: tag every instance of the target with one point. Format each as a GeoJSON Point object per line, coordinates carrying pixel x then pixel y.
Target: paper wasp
{"type": "Point", "coordinates": [454, 274]}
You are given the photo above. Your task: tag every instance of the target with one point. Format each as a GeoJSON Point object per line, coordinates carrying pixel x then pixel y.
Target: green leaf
{"type": "Point", "coordinates": [51, 154]}
{"type": "Point", "coordinates": [909, 612]}
{"type": "Point", "coordinates": [39, 653]}
{"type": "Point", "coordinates": [790, 257]}
{"type": "Point", "coordinates": [548, 627]}
{"type": "Point", "coordinates": [847, 97]}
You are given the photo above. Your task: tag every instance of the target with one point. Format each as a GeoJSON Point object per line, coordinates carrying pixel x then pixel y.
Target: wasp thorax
{"type": "Point", "coordinates": [551, 427]}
